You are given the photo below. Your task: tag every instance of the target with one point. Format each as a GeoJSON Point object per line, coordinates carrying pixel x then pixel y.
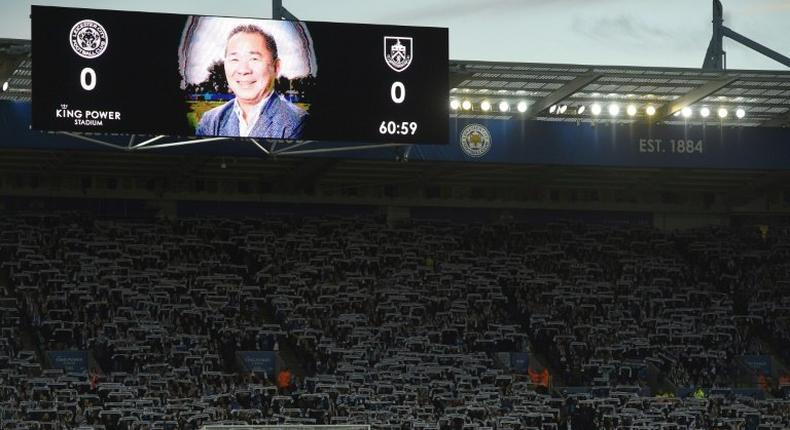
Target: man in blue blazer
{"type": "Point", "coordinates": [251, 67]}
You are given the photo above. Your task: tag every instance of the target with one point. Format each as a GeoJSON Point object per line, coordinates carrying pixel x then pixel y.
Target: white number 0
{"type": "Point", "coordinates": [398, 92]}
{"type": "Point", "coordinates": [86, 72]}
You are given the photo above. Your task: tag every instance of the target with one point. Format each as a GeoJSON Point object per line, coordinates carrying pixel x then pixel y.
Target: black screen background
{"type": "Point", "coordinates": [138, 75]}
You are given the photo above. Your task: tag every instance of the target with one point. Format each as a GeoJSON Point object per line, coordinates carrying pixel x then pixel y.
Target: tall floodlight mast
{"type": "Point", "coordinates": [715, 58]}
{"type": "Point", "coordinates": [280, 12]}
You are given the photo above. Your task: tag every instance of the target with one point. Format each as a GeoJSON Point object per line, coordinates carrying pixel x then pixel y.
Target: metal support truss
{"type": "Point", "coordinates": [318, 147]}
{"type": "Point", "coordinates": [715, 57]}
{"type": "Point", "coordinates": [96, 141]}
{"type": "Point", "coordinates": [340, 148]}
{"type": "Point", "coordinates": [287, 148]}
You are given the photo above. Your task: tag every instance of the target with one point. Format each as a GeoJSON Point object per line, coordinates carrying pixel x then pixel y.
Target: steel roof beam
{"type": "Point", "coordinates": [749, 43]}
{"type": "Point", "coordinates": [561, 94]}
{"type": "Point", "coordinates": [696, 95]}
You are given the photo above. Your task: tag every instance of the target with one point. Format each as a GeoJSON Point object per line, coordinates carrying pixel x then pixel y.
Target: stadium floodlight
{"type": "Point", "coordinates": [485, 105]}
{"type": "Point", "coordinates": [455, 104]}
{"type": "Point", "coordinates": [614, 109]}
{"type": "Point", "coordinates": [650, 110]}
{"type": "Point", "coordinates": [596, 109]}
{"type": "Point", "coordinates": [466, 105]}
{"type": "Point", "coordinates": [740, 113]}
{"type": "Point", "coordinates": [723, 113]}
{"type": "Point", "coordinates": [686, 112]}
{"type": "Point", "coordinates": [704, 112]}
{"type": "Point", "coordinates": [504, 106]}
{"type": "Point", "coordinates": [631, 110]}
{"type": "Point", "coordinates": [522, 106]}
{"type": "Point", "coordinates": [562, 109]}
{"type": "Point", "coordinates": [5, 86]}
{"type": "Point", "coordinates": [553, 109]}
{"type": "Point", "coordinates": [580, 110]}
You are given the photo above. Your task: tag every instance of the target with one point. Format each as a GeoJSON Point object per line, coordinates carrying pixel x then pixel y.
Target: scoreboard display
{"type": "Point", "coordinates": [104, 71]}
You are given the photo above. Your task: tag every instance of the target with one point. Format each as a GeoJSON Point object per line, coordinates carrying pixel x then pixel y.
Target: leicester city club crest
{"type": "Point", "coordinates": [475, 140]}
{"type": "Point", "coordinates": [88, 38]}
{"type": "Point", "coordinates": [398, 52]}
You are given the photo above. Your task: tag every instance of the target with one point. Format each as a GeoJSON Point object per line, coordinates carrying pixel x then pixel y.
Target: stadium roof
{"type": "Point", "coordinates": [15, 69]}
{"type": "Point", "coordinates": [763, 95]}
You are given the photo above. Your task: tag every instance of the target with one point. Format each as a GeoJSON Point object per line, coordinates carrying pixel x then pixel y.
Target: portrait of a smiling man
{"type": "Point", "coordinates": [251, 66]}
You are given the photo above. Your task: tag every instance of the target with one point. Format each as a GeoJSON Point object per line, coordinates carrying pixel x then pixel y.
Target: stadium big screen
{"type": "Point", "coordinates": [181, 75]}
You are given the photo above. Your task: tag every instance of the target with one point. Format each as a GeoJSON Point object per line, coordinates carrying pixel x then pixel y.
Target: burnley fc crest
{"type": "Point", "coordinates": [398, 52]}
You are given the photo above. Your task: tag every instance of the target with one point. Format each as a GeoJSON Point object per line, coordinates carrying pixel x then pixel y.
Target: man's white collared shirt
{"type": "Point", "coordinates": [255, 113]}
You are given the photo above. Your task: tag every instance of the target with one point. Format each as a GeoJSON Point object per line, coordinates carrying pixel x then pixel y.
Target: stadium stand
{"type": "Point", "coordinates": [406, 326]}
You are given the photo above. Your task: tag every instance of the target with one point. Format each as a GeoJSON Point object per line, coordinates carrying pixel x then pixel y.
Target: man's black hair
{"type": "Point", "coordinates": [271, 45]}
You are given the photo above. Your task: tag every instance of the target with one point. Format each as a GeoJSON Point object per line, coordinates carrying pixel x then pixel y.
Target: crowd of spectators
{"type": "Point", "coordinates": [404, 326]}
